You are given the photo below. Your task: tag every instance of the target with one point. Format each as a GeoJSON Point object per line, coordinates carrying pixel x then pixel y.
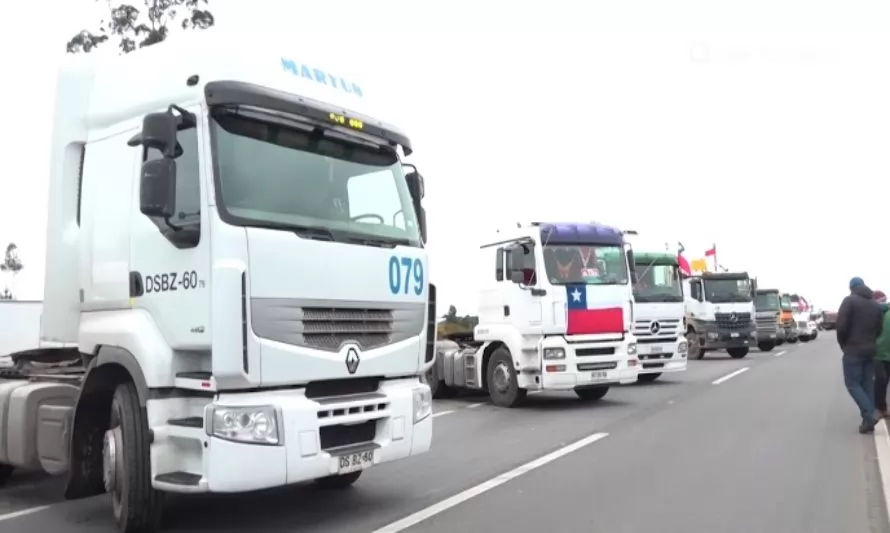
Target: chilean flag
{"type": "Point", "coordinates": [588, 317]}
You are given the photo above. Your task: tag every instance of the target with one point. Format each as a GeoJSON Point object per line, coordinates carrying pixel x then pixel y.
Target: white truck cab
{"type": "Point", "coordinates": [235, 258]}
{"type": "Point", "coordinates": [719, 313]}
{"type": "Point", "coordinates": [554, 314]}
{"type": "Point", "coordinates": [658, 310]}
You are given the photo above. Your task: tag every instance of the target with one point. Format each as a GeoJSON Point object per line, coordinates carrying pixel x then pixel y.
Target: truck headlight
{"type": "Point", "coordinates": [632, 348]}
{"type": "Point", "coordinates": [423, 403]}
{"type": "Point", "coordinates": [682, 348]}
{"type": "Point", "coordinates": [554, 353]}
{"type": "Point", "coordinates": [255, 424]}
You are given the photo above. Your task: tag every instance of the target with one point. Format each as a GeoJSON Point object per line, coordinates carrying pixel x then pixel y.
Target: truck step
{"type": "Point", "coordinates": [189, 422]}
{"type": "Point", "coordinates": [181, 482]}
{"type": "Point", "coordinates": [202, 381]}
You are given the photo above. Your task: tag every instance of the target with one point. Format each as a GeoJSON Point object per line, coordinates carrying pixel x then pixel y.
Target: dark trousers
{"type": "Point", "coordinates": [882, 379]}
{"type": "Point", "coordinates": [859, 377]}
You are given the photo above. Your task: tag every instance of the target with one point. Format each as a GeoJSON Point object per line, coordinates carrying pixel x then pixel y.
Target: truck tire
{"type": "Point", "coordinates": [766, 346]}
{"type": "Point", "coordinates": [438, 388]}
{"type": "Point", "coordinates": [693, 346]}
{"type": "Point", "coordinates": [648, 378]}
{"type": "Point", "coordinates": [780, 342]}
{"type": "Point", "coordinates": [503, 387]}
{"type": "Point", "coordinates": [804, 338]}
{"type": "Point", "coordinates": [814, 336]}
{"type": "Point", "coordinates": [5, 473]}
{"type": "Point", "coordinates": [737, 353]}
{"type": "Point", "coordinates": [592, 394]}
{"type": "Point", "coordinates": [127, 465]}
{"type": "Point", "coordinates": [339, 481]}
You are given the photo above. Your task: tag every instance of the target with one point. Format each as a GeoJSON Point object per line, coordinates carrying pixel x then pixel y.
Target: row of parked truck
{"type": "Point", "coordinates": [236, 274]}
{"type": "Point", "coordinates": [584, 306]}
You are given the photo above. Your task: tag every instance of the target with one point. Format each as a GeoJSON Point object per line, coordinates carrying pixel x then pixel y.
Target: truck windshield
{"type": "Point", "coordinates": [272, 173]}
{"type": "Point", "coordinates": [589, 264]}
{"type": "Point", "coordinates": [785, 303]}
{"type": "Point", "coordinates": [766, 302]}
{"type": "Point", "coordinates": [727, 290]}
{"type": "Point", "coordinates": [657, 283]}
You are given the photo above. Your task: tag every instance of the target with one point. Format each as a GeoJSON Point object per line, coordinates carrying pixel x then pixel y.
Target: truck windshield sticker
{"type": "Point", "coordinates": [320, 76]}
{"type": "Point", "coordinates": [173, 281]}
{"type": "Point", "coordinates": [405, 273]}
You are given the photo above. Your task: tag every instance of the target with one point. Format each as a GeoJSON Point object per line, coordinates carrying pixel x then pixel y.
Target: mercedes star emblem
{"type": "Point", "coordinates": [733, 317]}
{"type": "Point", "coordinates": [654, 327]}
{"type": "Point", "coordinates": [352, 360]}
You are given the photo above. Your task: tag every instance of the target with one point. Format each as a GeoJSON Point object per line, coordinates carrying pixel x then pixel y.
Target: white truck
{"type": "Point", "coordinates": [807, 329]}
{"type": "Point", "coordinates": [658, 310]}
{"type": "Point", "coordinates": [237, 291]}
{"type": "Point", "coordinates": [720, 313]}
{"type": "Point", "coordinates": [554, 314]}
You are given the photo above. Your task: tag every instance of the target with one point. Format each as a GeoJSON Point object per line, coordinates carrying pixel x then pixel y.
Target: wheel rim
{"type": "Point", "coordinates": [501, 378]}
{"type": "Point", "coordinates": [112, 471]}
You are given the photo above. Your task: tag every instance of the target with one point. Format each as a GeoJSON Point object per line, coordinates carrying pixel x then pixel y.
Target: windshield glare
{"type": "Point", "coordinates": [727, 290]}
{"type": "Point", "coordinates": [272, 174]}
{"type": "Point", "coordinates": [586, 264]}
{"type": "Point", "coordinates": [767, 301]}
{"type": "Point", "coordinates": [658, 283]}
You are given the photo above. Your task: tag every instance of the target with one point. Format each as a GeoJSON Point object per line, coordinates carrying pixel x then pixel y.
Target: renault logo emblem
{"type": "Point", "coordinates": [654, 327]}
{"type": "Point", "coordinates": [352, 360]}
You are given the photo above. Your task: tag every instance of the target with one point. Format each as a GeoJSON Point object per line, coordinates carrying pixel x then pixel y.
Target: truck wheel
{"type": "Point", "coordinates": [438, 388]}
{"type": "Point", "coordinates": [5, 472]}
{"type": "Point", "coordinates": [780, 342]}
{"type": "Point", "coordinates": [126, 465]}
{"type": "Point", "coordinates": [648, 378]}
{"type": "Point", "coordinates": [804, 338]}
{"type": "Point", "coordinates": [694, 348]}
{"type": "Point", "coordinates": [737, 353]}
{"type": "Point", "coordinates": [814, 336]}
{"type": "Point", "coordinates": [592, 394]}
{"type": "Point", "coordinates": [766, 346]}
{"type": "Point", "coordinates": [501, 379]}
{"type": "Point", "coordinates": [792, 341]}
{"type": "Point", "coordinates": [338, 482]}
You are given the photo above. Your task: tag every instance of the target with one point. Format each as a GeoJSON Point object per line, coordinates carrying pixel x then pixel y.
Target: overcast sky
{"type": "Point", "coordinates": [762, 126]}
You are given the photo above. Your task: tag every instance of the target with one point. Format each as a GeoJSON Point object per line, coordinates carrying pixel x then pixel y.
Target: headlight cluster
{"type": "Point", "coordinates": [423, 403]}
{"type": "Point", "coordinates": [256, 424]}
{"type": "Point", "coordinates": [554, 353]}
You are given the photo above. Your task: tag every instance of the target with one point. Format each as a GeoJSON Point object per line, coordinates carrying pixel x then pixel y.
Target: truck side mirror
{"type": "Point", "coordinates": [421, 219]}
{"type": "Point", "coordinates": [157, 188]}
{"type": "Point", "coordinates": [159, 132]}
{"type": "Point", "coordinates": [416, 185]}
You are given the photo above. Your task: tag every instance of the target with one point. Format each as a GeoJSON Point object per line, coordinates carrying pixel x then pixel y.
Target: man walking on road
{"type": "Point", "coordinates": [882, 363]}
{"type": "Point", "coordinates": [859, 323]}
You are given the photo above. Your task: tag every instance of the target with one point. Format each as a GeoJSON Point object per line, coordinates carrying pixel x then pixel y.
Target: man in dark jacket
{"type": "Point", "coordinates": [859, 324]}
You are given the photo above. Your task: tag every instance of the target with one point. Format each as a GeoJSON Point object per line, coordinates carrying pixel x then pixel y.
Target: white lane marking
{"type": "Point", "coordinates": [780, 354]}
{"type": "Point", "coordinates": [24, 512]}
{"type": "Point", "coordinates": [475, 405]}
{"type": "Point", "coordinates": [731, 375]}
{"type": "Point", "coordinates": [882, 445]}
{"type": "Point", "coordinates": [485, 486]}
{"type": "Point", "coordinates": [441, 413]}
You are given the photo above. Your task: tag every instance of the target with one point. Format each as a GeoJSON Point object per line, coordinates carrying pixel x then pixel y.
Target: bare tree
{"type": "Point", "coordinates": [11, 265]}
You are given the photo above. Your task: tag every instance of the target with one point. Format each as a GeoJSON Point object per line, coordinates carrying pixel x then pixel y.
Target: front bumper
{"type": "Point", "coordinates": [720, 339]}
{"type": "Point", "coordinates": [770, 335]}
{"type": "Point", "coordinates": [314, 433]}
{"type": "Point", "coordinates": [586, 364]}
{"type": "Point", "coordinates": [662, 357]}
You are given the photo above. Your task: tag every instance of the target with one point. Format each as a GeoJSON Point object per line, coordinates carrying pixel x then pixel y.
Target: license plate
{"type": "Point", "coordinates": [598, 375]}
{"type": "Point", "coordinates": [653, 349]}
{"type": "Point", "coordinates": [355, 462]}
{"type": "Point", "coordinates": [733, 335]}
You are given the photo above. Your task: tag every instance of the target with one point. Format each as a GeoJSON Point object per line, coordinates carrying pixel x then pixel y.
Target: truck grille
{"type": "Point", "coordinates": [728, 322]}
{"type": "Point", "coordinates": [767, 323]}
{"type": "Point", "coordinates": [657, 330]}
{"type": "Point", "coordinates": [329, 328]}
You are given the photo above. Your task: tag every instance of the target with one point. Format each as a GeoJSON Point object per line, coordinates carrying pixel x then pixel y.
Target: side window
{"type": "Point", "coordinates": [499, 264]}
{"type": "Point", "coordinates": [375, 195]}
{"type": "Point", "coordinates": [183, 229]}
{"type": "Point", "coordinates": [696, 289]}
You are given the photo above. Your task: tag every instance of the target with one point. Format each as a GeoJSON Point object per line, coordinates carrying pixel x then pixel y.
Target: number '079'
{"type": "Point", "coordinates": [405, 274]}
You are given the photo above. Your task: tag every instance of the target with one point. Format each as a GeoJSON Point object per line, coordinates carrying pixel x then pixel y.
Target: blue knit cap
{"type": "Point", "coordinates": [856, 282]}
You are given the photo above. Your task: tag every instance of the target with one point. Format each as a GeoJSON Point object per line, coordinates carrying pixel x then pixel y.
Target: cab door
{"type": "Point", "coordinates": [170, 259]}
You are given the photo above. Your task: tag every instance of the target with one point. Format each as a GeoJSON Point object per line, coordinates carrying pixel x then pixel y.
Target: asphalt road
{"type": "Point", "coordinates": [769, 449]}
